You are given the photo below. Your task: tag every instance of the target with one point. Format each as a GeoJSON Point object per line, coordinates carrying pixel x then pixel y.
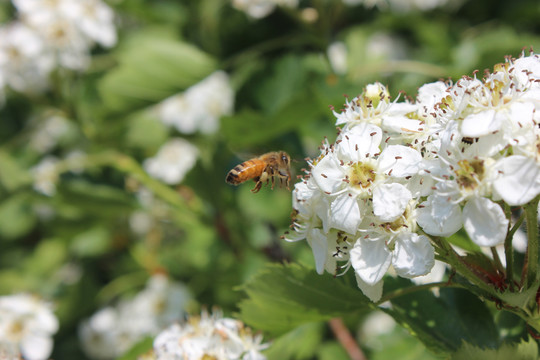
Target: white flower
{"type": "Point", "coordinates": [50, 34]}
{"type": "Point", "coordinates": [45, 175]}
{"type": "Point", "coordinates": [27, 325]}
{"type": "Point", "coordinates": [200, 107]}
{"type": "Point", "coordinates": [518, 181]}
{"type": "Point", "coordinates": [48, 132]}
{"type": "Point", "coordinates": [337, 55]}
{"type": "Point", "coordinates": [24, 62]}
{"type": "Point", "coordinates": [208, 336]}
{"type": "Point", "coordinates": [402, 5]}
{"type": "Point", "coordinates": [352, 171]}
{"type": "Point", "coordinates": [355, 207]}
{"type": "Point", "coordinates": [113, 330]}
{"type": "Point", "coordinates": [258, 9]}
{"type": "Point", "coordinates": [173, 160]}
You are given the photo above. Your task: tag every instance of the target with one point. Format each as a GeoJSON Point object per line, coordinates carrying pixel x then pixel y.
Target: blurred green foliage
{"type": "Point", "coordinates": [211, 236]}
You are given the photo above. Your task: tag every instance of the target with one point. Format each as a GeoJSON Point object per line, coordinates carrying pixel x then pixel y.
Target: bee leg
{"type": "Point", "coordinates": [258, 184]}
{"type": "Point", "coordinates": [273, 182]}
{"type": "Point", "coordinates": [287, 181]}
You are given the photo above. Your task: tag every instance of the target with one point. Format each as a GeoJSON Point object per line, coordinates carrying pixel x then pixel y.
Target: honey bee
{"type": "Point", "coordinates": [261, 169]}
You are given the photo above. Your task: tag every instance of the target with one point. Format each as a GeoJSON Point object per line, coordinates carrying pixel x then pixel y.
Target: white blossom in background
{"type": "Point", "coordinates": [337, 56]}
{"type": "Point", "coordinates": [24, 62]}
{"type": "Point", "coordinates": [404, 5]}
{"type": "Point", "coordinates": [441, 163]}
{"type": "Point", "coordinates": [208, 337]}
{"type": "Point", "coordinates": [113, 330]}
{"type": "Point", "coordinates": [259, 9]}
{"type": "Point", "coordinates": [27, 326]}
{"type": "Point", "coordinates": [200, 107]}
{"type": "Point", "coordinates": [45, 175]}
{"type": "Point", "coordinates": [48, 132]}
{"type": "Point", "coordinates": [52, 34]}
{"type": "Point", "coordinates": [173, 160]}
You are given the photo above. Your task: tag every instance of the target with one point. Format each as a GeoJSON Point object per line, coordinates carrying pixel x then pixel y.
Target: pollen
{"type": "Point", "coordinates": [470, 173]}
{"type": "Point", "coordinates": [361, 175]}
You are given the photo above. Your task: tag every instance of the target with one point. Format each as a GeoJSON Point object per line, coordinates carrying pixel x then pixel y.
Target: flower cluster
{"type": "Point", "coordinates": [113, 330]}
{"type": "Point", "coordinates": [199, 108]}
{"type": "Point", "coordinates": [403, 5]}
{"type": "Point", "coordinates": [50, 35]}
{"type": "Point", "coordinates": [258, 9]}
{"type": "Point", "coordinates": [207, 337]}
{"type": "Point", "coordinates": [27, 325]}
{"type": "Point", "coordinates": [443, 163]}
{"type": "Point", "coordinates": [172, 162]}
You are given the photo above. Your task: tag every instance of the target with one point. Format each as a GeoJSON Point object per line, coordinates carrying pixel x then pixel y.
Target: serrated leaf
{"type": "Point", "coordinates": [443, 323]}
{"type": "Point", "coordinates": [283, 297]}
{"type": "Point", "coordinates": [521, 299]}
{"type": "Point", "coordinates": [300, 343]}
{"type": "Point", "coordinates": [525, 350]}
{"type": "Point", "coordinates": [152, 66]}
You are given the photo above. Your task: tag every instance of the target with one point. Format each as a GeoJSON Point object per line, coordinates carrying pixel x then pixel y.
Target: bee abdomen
{"type": "Point", "coordinates": [245, 171]}
{"type": "Point", "coordinates": [233, 176]}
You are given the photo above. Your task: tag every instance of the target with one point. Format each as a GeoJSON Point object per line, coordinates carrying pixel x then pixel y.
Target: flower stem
{"type": "Point", "coordinates": [345, 339]}
{"type": "Point", "coordinates": [531, 216]}
{"type": "Point", "coordinates": [508, 250]}
{"type": "Point", "coordinates": [449, 256]}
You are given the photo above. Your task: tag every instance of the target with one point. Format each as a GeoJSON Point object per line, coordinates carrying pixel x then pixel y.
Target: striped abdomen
{"type": "Point", "coordinates": [247, 170]}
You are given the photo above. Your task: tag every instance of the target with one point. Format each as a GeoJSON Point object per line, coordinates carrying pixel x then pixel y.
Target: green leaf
{"type": "Point", "coordinates": [152, 66]}
{"type": "Point", "coordinates": [94, 242]}
{"type": "Point", "coordinates": [281, 298]}
{"type": "Point", "coordinates": [16, 216]}
{"type": "Point", "coordinates": [525, 350]}
{"type": "Point", "coordinates": [138, 349]}
{"type": "Point", "coordinates": [443, 323]}
{"type": "Point", "coordinates": [396, 344]}
{"type": "Point", "coordinates": [461, 240]}
{"type": "Point", "coordinates": [332, 351]}
{"type": "Point", "coordinates": [286, 79]}
{"type": "Point", "coordinates": [522, 299]}
{"type": "Point", "coordinates": [145, 131]}
{"type": "Point", "coordinates": [12, 174]}
{"type": "Point", "coordinates": [300, 343]}
{"type": "Point", "coordinates": [251, 128]}
{"type": "Point", "coordinates": [100, 200]}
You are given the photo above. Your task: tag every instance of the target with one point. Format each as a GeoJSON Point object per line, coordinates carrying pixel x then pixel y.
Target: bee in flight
{"type": "Point", "coordinates": [261, 169]}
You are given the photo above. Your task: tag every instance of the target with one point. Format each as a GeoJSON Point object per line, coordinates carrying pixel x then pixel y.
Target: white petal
{"type": "Point", "coordinates": [370, 259]}
{"type": "Point", "coordinates": [328, 174]}
{"type": "Point", "coordinates": [413, 255]}
{"type": "Point", "coordinates": [401, 124]}
{"type": "Point", "coordinates": [373, 292]}
{"type": "Point", "coordinates": [439, 216]}
{"type": "Point", "coordinates": [482, 123]}
{"type": "Point", "coordinates": [519, 180]}
{"type": "Point", "coordinates": [402, 160]}
{"type": "Point", "coordinates": [484, 222]}
{"type": "Point", "coordinates": [35, 347]}
{"type": "Point", "coordinates": [345, 213]}
{"type": "Point", "coordinates": [390, 201]}
{"type": "Point", "coordinates": [319, 246]}
{"type": "Point", "coordinates": [359, 142]}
